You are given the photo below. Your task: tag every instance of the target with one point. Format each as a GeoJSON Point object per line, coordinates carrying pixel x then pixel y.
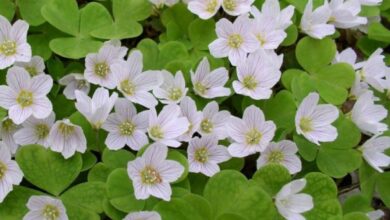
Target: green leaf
{"type": "Point", "coordinates": [368, 46]}
{"type": "Point", "coordinates": [231, 216]}
{"type": "Point", "coordinates": [292, 35]}
{"type": "Point", "coordinates": [93, 16]}
{"type": "Point", "coordinates": [99, 172]}
{"type": "Point", "coordinates": [377, 31]}
{"type": "Point", "coordinates": [14, 205]}
{"type": "Point", "coordinates": [306, 149]}
{"type": "Point", "coordinates": [348, 135]}
{"type": "Point", "coordinates": [136, 10]}
{"type": "Point", "coordinates": [121, 193]}
{"type": "Point", "coordinates": [338, 163]}
{"type": "Point", "coordinates": [88, 195]}
{"type": "Point", "coordinates": [31, 11]}
{"type": "Point", "coordinates": [180, 15]}
{"type": "Point", "coordinates": [7, 9]}
{"type": "Point", "coordinates": [118, 30]}
{"type": "Point", "coordinates": [112, 212]}
{"type": "Point", "coordinates": [117, 159]}
{"type": "Point", "coordinates": [289, 75]}
{"type": "Point", "coordinates": [46, 169]}
{"type": "Point", "coordinates": [202, 33]}
{"type": "Point", "coordinates": [313, 54]}
{"type": "Point", "coordinates": [170, 51]}
{"type": "Point", "coordinates": [39, 45]}
{"type": "Point", "coordinates": [324, 193]}
{"type": "Point", "coordinates": [383, 184]}
{"type": "Point", "coordinates": [356, 216]}
{"type": "Point", "coordinates": [229, 192]}
{"type": "Point", "coordinates": [272, 178]}
{"type": "Point", "coordinates": [368, 177]}
{"type": "Point", "coordinates": [74, 48]}
{"type": "Point", "coordinates": [189, 207]}
{"type": "Point", "coordinates": [62, 14]}
{"type": "Point", "coordinates": [76, 212]}
{"type": "Point", "coordinates": [149, 49]}
{"type": "Point", "coordinates": [89, 160]}
{"type": "Point", "coordinates": [281, 109]}
{"type": "Point", "coordinates": [301, 86]}
{"type": "Point", "coordinates": [357, 203]}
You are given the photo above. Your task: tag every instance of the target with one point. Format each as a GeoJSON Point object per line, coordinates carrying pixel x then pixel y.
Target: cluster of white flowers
{"type": "Point", "coordinates": [249, 43]}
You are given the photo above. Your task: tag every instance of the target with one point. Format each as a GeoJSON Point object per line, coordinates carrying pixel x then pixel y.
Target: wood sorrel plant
{"type": "Point", "coordinates": [194, 109]}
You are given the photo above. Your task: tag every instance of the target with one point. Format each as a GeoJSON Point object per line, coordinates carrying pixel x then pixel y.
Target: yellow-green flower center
{"type": "Point", "coordinates": [126, 128]}
{"type": "Point", "coordinates": [81, 84]}
{"type": "Point", "coordinates": [51, 212]}
{"type": "Point", "coordinates": [230, 5]}
{"type": "Point", "coordinates": [206, 126]}
{"type": "Point", "coordinates": [261, 39]}
{"type": "Point", "coordinates": [156, 132]}
{"type": "Point", "coordinates": [306, 124]}
{"type": "Point", "coordinates": [275, 156]}
{"type": "Point", "coordinates": [65, 129]}
{"type": "Point", "coordinates": [235, 41]}
{"type": "Point", "coordinates": [127, 87]}
{"type": "Point", "coordinates": [211, 6]}
{"type": "Point", "coordinates": [201, 155]}
{"type": "Point", "coordinates": [253, 137]}
{"type": "Point", "coordinates": [150, 176]}
{"type": "Point", "coordinates": [42, 130]}
{"type": "Point", "coordinates": [31, 70]}
{"type": "Point", "coordinates": [8, 48]}
{"type": "Point", "coordinates": [200, 88]}
{"type": "Point", "coordinates": [362, 74]}
{"type": "Point", "coordinates": [175, 94]}
{"type": "Point", "coordinates": [102, 69]}
{"type": "Point", "coordinates": [332, 19]}
{"type": "Point", "coordinates": [25, 98]}
{"type": "Point", "coordinates": [3, 169]}
{"type": "Point", "coordinates": [8, 125]}
{"type": "Point", "coordinates": [249, 82]}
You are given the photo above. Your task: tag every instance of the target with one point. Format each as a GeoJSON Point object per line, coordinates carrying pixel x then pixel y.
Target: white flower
{"type": "Point", "coordinates": [375, 215]}
{"type": "Point", "coordinates": [98, 65]}
{"type": "Point", "coordinates": [10, 173]}
{"type": "Point", "coordinates": [205, 9]}
{"type": "Point", "coordinates": [370, 2]}
{"type": "Point", "coordinates": [204, 155]}
{"type": "Point", "coordinates": [35, 131]}
{"type": "Point", "coordinates": [237, 7]}
{"type": "Point", "coordinates": [97, 108]}
{"type": "Point", "coordinates": [25, 96]}
{"type": "Point", "coordinates": [345, 13]}
{"type": "Point", "coordinates": [251, 134]}
{"type": "Point", "coordinates": [120, 51]}
{"type": "Point", "coordinates": [367, 116]}
{"type": "Point", "coordinates": [13, 42]}
{"type": "Point", "coordinates": [34, 67]}
{"type": "Point", "coordinates": [372, 19]}
{"type": "Point", "coordinates": [290, 203]}
{"type": "Point", "coordinates": [7, 131]}
{"type": "Point", "coordinates": [314, 121]}
{"type": "Point", "coordinates": [126, 127]}
{"type": "Point", "coordinates": [135, 84]}
{"type": "Point", "coordinates": [168, 125]}
{"type": "Point", "coordinates": [283, 153]}
{"type": "Point", "coordinates": [314, 23]}
{"type": "Point", "coordinates": [268, 37]}
{"type": "Point", "coordinates": [152, 173]}
{"type": "Point", "coordinates": [374, 70]}
{"type": "Point", "coordinates": [346, 56]}
{"type": "Point", "coordinates": [189, 110]}
{"type": "Point", "coordinates": [257, 74]}
{"type": "Point", "coordinates": [210, 84]}
{"type": "Point", "coordinates": [374, 152]}
{"type": "Point", "coordinates": [73, 82]}
{"type": "Point", "coordinates": [235, 40]}
{"type": "Point", "coordinates": [270, 10]}
{"type": "Point", "coordinates": [143, 215]}
{"type": "Point", "coordinates": [67, 138]}
{"type": "Point", "coordinates": [173, 88]}
{"type": "Point", "coordinates": [45, 207]}
{"type": "Point", "coordinates": [214, 121]}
